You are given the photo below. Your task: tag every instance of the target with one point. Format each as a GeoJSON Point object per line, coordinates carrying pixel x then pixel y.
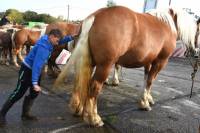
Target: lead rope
{"type": "Point", "coordinates": [195, 69]}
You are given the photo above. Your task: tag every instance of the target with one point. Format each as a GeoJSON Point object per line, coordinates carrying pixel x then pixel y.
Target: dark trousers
{"type": "Point", "coordinates": [24, 83]}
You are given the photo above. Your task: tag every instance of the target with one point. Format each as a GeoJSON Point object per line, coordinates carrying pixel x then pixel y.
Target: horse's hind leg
{"type": "Point", "coordinates": [5, 52]}
{"type": "Point", "coordinates": [19, 54]}
{"type": "Point", "coordinates": [10, 54]}
{"type": "Point", "coordinates": [150, 75]}
{"type": "Point", "coordinates": [1, 49]}
{"type": "Point", "coordinates": [15, 53]}
{"type": "Point", "coordinates": [6, 56]}
{"type": "Point", "coordinates": [115, 79]}
{"type": "Point", "coordinates": [90, 113]}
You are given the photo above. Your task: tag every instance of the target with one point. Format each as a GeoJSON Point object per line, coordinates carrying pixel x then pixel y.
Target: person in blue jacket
{"type": "Point", "coordinates": [29, 74]}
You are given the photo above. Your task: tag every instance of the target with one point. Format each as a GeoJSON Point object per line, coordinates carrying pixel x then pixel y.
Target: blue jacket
{"type": "Point", "coordinates": [40, 54]}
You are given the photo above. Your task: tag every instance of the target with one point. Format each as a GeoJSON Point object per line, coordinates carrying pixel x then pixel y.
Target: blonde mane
{"type": "Point", "coordinates": [164, 16]}
{"type": "Point", "coordinates": [187, 27]}
{"type": "Point", "coordinates": [186, 24]}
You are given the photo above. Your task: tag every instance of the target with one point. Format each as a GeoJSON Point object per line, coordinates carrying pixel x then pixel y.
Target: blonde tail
{"type": "Point", "coordinates": [81, 57]}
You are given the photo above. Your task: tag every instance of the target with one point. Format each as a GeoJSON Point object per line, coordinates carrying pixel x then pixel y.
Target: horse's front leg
{"type": "Point", "coordinates": [150, 75]}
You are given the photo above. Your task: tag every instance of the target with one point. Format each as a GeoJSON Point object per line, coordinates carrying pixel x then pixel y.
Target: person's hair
{"type": "Point", "coordinates": [56, 33]}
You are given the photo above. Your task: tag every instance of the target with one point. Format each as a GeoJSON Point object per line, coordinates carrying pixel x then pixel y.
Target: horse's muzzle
{"type": "Point", "coordinates": [196, 53]}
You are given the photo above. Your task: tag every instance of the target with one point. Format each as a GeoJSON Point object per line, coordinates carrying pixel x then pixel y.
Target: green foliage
{"type": "Point", "coordinates": [22, 17]}
{"type": "Point", "coordinates": [45, 18]}
{"type": "Point", "coordinates": [1, 14]}
{"type": "Point", "coordinates": [30, 16]}
{"type": "Point", "coordinates": [14, 15]}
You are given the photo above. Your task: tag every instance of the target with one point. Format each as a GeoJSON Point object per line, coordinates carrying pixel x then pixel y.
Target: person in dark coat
{"type": "Point", "coordinates": [4, 20]}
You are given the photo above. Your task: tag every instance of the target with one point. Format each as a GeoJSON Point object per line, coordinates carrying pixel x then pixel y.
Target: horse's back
{"type": "Point", "coordinates": [62, 26]}
{"type": "Point", "coordinates": [33, 36]}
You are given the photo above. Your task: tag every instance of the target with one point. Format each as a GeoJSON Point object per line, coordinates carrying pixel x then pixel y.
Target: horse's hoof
{"type": "Point", "coordinates": [76, 109]}
{"type": "Point", "coordinates": [78, 112]}
{"type": "Point", "coordinates": [146, 109]}
{"type": "Point", "coordinates": [93, 120]}
{"type": "Point", "coordinates": [114, 83]}
{"type": "Point", "coordinates": [107, 82]}
{"type": "Point", "coordinates": [7, 63]}
{"type": "Point", "coordinates": [144, 105]}
{"type": "Point", "coordinates": [16, 65]}
{"type": "Point", "coordinates": [100, 124]}
{"type": "Point", "coordinates": [151, 102]}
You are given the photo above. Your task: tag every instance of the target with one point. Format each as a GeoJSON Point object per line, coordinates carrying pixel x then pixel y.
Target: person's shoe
{"type": "Point", "coordinates": [7, 105]}
{"type": "Point", "coordinates": [2, 120]}
{"type": "Point", "coordinates": [29, 117]}
{"type": "Point", "coordinates": [27, 104]}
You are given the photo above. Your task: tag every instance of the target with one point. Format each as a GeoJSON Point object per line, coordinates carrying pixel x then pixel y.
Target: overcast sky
{"type": "Point", "coordinates": [79, 9]}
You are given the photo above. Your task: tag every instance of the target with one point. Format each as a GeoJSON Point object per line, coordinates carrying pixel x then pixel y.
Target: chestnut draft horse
{"type": "Point", "coordinates": [24, 37]}
{"type": "Point", "coordinates": [120, 35]}
{"type": "Point", "coordinates": [66, 29]}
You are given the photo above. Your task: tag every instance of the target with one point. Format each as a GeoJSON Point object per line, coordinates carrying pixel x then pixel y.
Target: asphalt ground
{"type": "Point", "coordinates": [174, 111]}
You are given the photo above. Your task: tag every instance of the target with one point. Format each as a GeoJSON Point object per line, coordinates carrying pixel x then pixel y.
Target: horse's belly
{"type": "Point", "coordinates": [135, 59]}
{"type": "Point", "coordinates": [130, 63]}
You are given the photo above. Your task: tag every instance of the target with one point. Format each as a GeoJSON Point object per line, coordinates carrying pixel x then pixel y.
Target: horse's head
{"type": "Point", "coordinates": [196, 52]}
{"type": "Point", "coordinates": [197, 37]}
{"type": "Point", "coordinates": [186, 28]}
{"type": "Point", "coordinates": [197, 40]}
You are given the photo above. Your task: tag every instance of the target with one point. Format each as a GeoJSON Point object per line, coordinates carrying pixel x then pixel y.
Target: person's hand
{"type": "Point", "coordinates": [37, 88]}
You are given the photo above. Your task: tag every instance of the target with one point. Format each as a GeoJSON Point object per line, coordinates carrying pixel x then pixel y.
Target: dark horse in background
{"type": "Point", "coordinates": [6, 46]}
{"type": "Point", "coordinates": [7, 33]}
{"type": "Point", "coordinates": [66, 29]}
{"type": "Point", "coordinates": [118, 35]}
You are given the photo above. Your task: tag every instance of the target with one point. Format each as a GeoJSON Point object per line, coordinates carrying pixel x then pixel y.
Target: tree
{"type": "Point", "coordinates": [20, 17]}
{"type": "Point", "coordinates": [111, 3]}
{"type": "Point", "coordinates": [14, 15]}
{"type": "Point", "coordinates": [60, 18]}
{"type": "Point", "coordinates": [46, 18]}
{"type": "Point", "coordinates": [30, 16]}
{"type": "Point", "coordinates": [1, 14]}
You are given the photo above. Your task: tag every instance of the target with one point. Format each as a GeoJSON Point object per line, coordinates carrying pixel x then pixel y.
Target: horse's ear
{"type": "Point", "coordinates": [175, 21]}
{"type": "Point", "coordinates": [174, 16]}
{"type": "Point", "coordinates": [198, 21]}
{"type": "Point", "coordinates": [171, 12]}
